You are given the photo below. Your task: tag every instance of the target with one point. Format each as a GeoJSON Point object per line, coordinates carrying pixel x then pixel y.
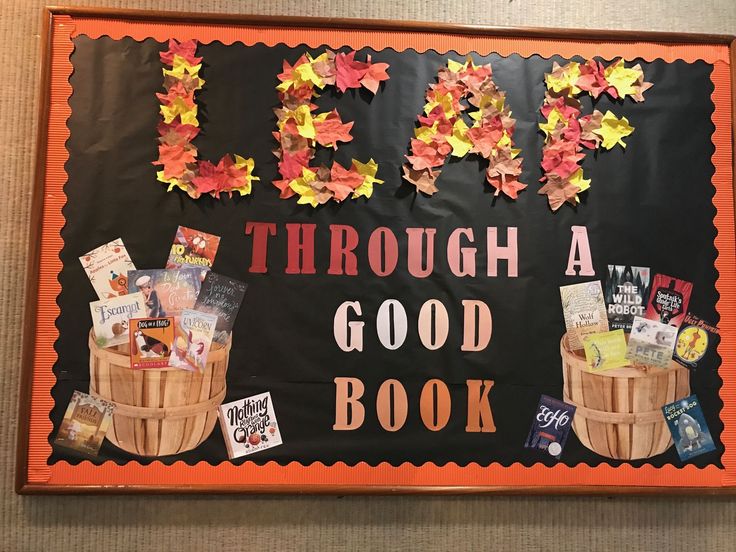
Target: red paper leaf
{"type": "Point", "coordinates": [374, 75]}
{"type": "Point", "coordinates": [291, 164]}
{"type": "Point", "coordinates": [175, 133]}
{"type": "Point", "coordinates": [209, 179]}
{"type": "Point", "coordinates": [348, 72]}
{"type": "Point", "coordinates": [425, 156]}
{"type": "Point", "coordinates": [332, 130]}
{"type": "Point", "coordinates": [184, 49]}
{"type": "Point", "coordinates": [174, 159]}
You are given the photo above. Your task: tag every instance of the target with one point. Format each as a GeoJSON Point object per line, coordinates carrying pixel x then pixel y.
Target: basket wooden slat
{"type": "Point", "coordinates": [159, 411]}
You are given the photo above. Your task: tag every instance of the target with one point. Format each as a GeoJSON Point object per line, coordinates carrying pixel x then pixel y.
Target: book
{"type": "Point", "coordinates": [551, 426]}
{"type": "Point", "coordinates": [167, 292]}
{"type": "Point", "coordinates": [626, 294]}
{"type": "Point", "coordinates": [690, 433]}
{"type": "Point", "coordinates": [651, 342]}
{"type": "Point", "coordinates": [584, 311]}
{"type": "Point", "coordinates": [668, 300]}
{"type": "Point", "coordinates": [221, 296]}
{"type": "Point", "coordinates": [249, 425]}
{"type": "Point", "coordinates": [110, 318]}
{"type": "Point", "coordinates": [193, 249]}
{"type": "Point", "coordinates": [695, 341]}
{"type": "Point", "coordinates": [85, 423]}
{"type": "Point", "coordinates": [150, 342]}
{"type": "Point", "coordinates": [107, 268]}
{"type": "Point", "coordinates": [605, 350]}
{"type": "Point", "coordinates": [192, 340]}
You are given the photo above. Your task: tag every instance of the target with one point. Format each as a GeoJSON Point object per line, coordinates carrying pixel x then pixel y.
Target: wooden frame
{"type": "Point", "coordinates": [34, 254]}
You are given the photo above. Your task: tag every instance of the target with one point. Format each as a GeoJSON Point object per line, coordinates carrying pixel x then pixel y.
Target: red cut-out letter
{"type": "Point", "coordinates": [260, 231]}
{"type": "Point", "coordinates": [383, 251]}
{"type": "Point", "coordinates": [338, 251]}
{"type": "Point", "coordinates": [303, 245]}
{"type": "Point", "coordinates": [414, 260]}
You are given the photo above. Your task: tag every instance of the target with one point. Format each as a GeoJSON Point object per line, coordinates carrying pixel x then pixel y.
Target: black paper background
{"type": "Point", "coordinates": [649, 205]}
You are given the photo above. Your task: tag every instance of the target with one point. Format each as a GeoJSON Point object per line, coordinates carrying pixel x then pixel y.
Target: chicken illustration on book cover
{"type": "Point", "coordinates": [107, 268]}
{"type": "Point", "coordinates": [150, 342]}
{"type": "Point", "coordinates": [194, 332]}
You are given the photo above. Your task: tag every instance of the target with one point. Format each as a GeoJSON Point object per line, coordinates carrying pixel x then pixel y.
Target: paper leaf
{"type": "Point", "coordinates": [613, 130]}
{"type": "Point", "coordinates": [174, 159]}
{"type": "Point", "coordinates": [332, 130]}
{"type": "Point", "coordinates": [424, 180]}
{"type": "Point", "coordinates": [375, 74]}
{"type": "Point", "coordinates": [348, 72]}
{"type": "Point", "coordinates": [185, 50]}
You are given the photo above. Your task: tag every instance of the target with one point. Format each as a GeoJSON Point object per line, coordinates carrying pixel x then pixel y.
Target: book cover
{"type": "Point", "coordinates": [249, 425]}
{"type": "Point", "coordinates": [193, 249]}
{"type": "Point", "coordinates": [626, 294]}
{"type": "Point", "coordinates": [221, 296]}
{"type": "Point", "coordinates": [85, 423]}
{"type": "Point", "coordinates": [584, 311]}
{"type": "Point", "coordinates": [605, 350]}
{"type": "Point", "coordinates": [167, 292]}
{"type": "Point", "coordinates": [668, 300]}
{"type": "Point", "coordinates": [150, 342]}
{"type": "Point", "coordinates": [551, 426]}
{"type": "Point", "coordinates": [193, 339]}
{"type": "Point", "coordinates": [696, 342]}
{"type": "Point", "coordinates": [107, 268]}
{"type": "Point", "coordinates": [110, 318]}
{"type": "Point", "coordinates": [651, 342]}
{"type": "Point", "coordinates": [690, 433]}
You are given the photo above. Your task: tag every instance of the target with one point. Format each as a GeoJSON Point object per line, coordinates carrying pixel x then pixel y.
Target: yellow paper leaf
{"type": "Point", "coordinates": [621, 78]}
{"type": "Point", "coordinates": [613, 130]}
{"type": "Point", "coordinates": [179, 107]}
{"type": "Point", "coordinates": [459, 140]}
{"type": "Point", "coordinates": [554, 118]}
{"type": "Point", "coordinates": [306, 74]}
{"type": "Point", "coordinates": [456, 66]}
{"type": "Point", "coordinates": [425, 134]}
{"type": "Point", "coordinates": [563, 77]}
{"type": "Point", "coordinates": [368, 172]}
{"type": "Point", "coordinates": [304, 122]}
{"type": "Point", "coordinates": [577, 179]}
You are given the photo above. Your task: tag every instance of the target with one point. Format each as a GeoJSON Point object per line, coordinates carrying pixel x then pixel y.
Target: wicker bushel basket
{"type": "Point", "coordinates": [158, 411]}
{"type": "Point", "coordinates": [619, 411]}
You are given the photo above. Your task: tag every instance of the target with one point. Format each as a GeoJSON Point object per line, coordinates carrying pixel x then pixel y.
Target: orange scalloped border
{"type": "Point", "coordinates": [317, 476]}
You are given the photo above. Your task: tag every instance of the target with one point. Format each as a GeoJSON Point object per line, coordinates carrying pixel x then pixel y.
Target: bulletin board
{"type": "Point", "coordinates": [439, 258]}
